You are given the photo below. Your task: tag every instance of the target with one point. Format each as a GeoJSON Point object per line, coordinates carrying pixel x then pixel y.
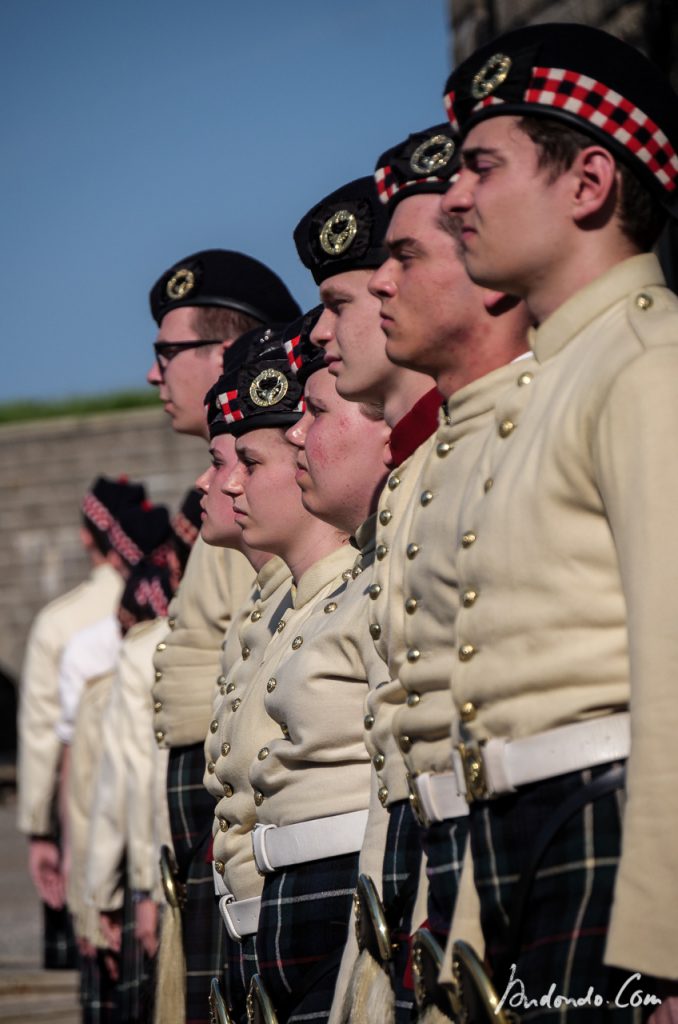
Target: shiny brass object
{"type": "Point", "coordinates": [218, 1010]}
{"type": "Point", "coordinates": [259, 1006]}
{"type": "Point", "coordinates": [174, 890]}
{"type": "Point", "coordinates": [372, 931]}
{"type": "Point", "coordinates": [473, 998]}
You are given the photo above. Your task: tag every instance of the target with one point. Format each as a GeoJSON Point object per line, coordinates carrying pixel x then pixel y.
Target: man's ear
{"type": "Point", "coordinates": [497, 303]}
{"type": "Point", "coordinates": [594, 172]}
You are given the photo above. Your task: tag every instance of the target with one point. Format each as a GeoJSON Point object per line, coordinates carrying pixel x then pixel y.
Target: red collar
{"type": "Point", "coordinates": [415, 426]}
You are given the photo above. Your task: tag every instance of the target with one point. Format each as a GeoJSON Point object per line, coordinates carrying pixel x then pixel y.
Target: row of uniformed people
{"type": "Point", "coordinates": [409, 603]}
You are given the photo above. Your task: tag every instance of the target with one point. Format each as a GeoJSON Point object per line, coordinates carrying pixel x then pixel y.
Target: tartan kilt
{"type": "Point", "coordinates": [191, 810]}
{"type": "Point", "coordinates": [567, 909]}
{"type": "Point", "coordinates": [444, 844]}
{"type": "Point", "coordinates": [98, 993]}
{"type": "Point", "coordinates": [59, 951]}
{"type": "Point", "coordinates": [400, 878]}
{"type": "Point", "coordinates": [136, 971]}
{"type": "Point", "coordinates": [240, 966]}
{"type": "Point", "coordinates": [303, 926]}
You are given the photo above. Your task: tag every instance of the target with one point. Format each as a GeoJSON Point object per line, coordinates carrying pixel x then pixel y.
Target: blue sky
{"type": "Point", "coordinates": [140, 131]}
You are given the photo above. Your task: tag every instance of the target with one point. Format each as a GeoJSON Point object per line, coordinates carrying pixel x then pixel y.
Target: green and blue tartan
{"type": "Point", "coordinates": [303, 927]}
{"type": "Point", "coordinates": [191, 811]}
{"type": "Point", "coordinates": [567, 910]}
{"type": "Point", "coordinates": [98, 993]}
{"type": "Point", "coordinates": [444, 844]}
{"type": "Point", "coordinates": [137, 971]}
{"type": "Point", "coordinates": [400, 879]}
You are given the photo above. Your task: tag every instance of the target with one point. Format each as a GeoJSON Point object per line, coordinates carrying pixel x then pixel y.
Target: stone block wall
{"type": "Point", "coordinates": [45, 468]}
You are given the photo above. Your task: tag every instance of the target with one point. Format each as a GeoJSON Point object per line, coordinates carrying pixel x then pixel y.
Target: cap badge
{"type": "Point", "coordinates": [180, 283]}
{"type": "Point", "coordinates": [432, 155]}
{"type": "Point", "coordinates": [338, 232]}
{"type": "Point", "coordinates": [268, 388]}
{"type": "Point", "coordinates": [490, 76]}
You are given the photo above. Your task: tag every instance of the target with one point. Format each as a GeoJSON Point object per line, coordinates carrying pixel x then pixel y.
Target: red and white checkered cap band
{"type": "Point", "coordinates": [152, 596]}
{"type": "Point", "coordinates": [124, 545]}
{"type": "Point", "coordinates": [386, 188]}
{"type": "Point", "coordinates": [224, 401]}
{"type": "Point", "coordinates": [184, 528]}
{"type": "Point", "coordinates": [293, 355]}
{"type": "Point", "coordinates": [96, 512]}
{"type": "Point", "coordinates": [301, 405]}
{"type": "Point", "coordinates": [605, 109]}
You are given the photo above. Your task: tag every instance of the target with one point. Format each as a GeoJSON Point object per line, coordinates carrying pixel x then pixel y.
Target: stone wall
{"type": "Point", "coordinates": [45, 467]}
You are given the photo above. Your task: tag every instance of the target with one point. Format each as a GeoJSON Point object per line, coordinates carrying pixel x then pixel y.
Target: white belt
{"type": "Point", "coordinates": [279, 847]}
{"type": "Point", "coordinates": [241, 917]}
{"type": "Point", "coordinates": [435, 796]}
{"type": "Point", "coordinates": [220, 888]}
{"type": "Point", "coordinates": [497, 766]}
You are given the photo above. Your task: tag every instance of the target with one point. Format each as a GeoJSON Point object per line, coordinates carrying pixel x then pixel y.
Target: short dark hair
{"type": "Point", "coordinates": [641, 216]}
{"type": "Point", "coordinates": [221, 322]}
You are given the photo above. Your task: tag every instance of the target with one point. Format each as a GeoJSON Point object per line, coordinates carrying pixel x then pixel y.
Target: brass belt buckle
{"type": "Point", "coordinates": [474, 770]}
{"type": "Point", "coordinates": [175, 891]}
{"type": "Point", "coordinates": [473, 996]}
{"type": "Point", "coordinates": [415, 803]}
{"type": "Point", "coordinates": [427, 960]}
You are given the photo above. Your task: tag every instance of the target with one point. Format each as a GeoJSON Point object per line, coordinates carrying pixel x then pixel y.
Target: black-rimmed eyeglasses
{"type": "Point", "coordinates": [165, 351]}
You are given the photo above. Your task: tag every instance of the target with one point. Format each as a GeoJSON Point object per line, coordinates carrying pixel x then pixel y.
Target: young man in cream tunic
{"type": "Point", "coordinates": [201, 304]}
{"type": "Point", "coordinates": [566, 658]}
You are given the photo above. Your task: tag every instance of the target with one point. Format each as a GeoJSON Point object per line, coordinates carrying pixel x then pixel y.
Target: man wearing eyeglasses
{"type": "Point", "coordinates": [201, 305]}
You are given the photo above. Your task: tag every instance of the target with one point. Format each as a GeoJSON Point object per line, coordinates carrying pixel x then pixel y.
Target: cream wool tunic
{"type": "Point", "coordinates": [314, 763]}
{"type": "Point", "coordinates": [568, 569]}
{"type": "Point", "coordinates": [39, 709]}
{"type": "Point", "coordinates": [187, 660]}
{"type": "Point", "coordinates": [416, 608]}
{"type": "Point", "coordinates": [232, 737]}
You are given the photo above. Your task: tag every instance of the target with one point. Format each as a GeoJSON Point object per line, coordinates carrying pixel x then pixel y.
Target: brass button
{"type": "Point", "coordinates": [280, 626]}
{"type": "Point", "coordinates": [255, 616]}
{"type": "Point", "coordinates": [221, 680]}
{"type": "Point", "coordinates": [158, 676]}
{"type": "Point", "coordinates": [413, 699]}
{"type": "Point", "coordinates": [393, 482]}
{"type": "Point", "coordinates": [297, 642]}
{"type": "Point", "coordinates": [412, 551]}
{"type": "Point", "coordinates": [374, 590]}
{"type": "Point", "coordinates": [219, 867]}
{"type": "Point", "coordinates": [378, 761]}
{"type": "Point", "coordinates": [161, 646]}
{"type": "Point", "coordinates": [466, 652]}
{"type": "Point", "coordinates": [385, 516]}
{"type": "Point", "coordinates": [159, 736]}
{"type": "Point", "coordinates": [468, 711]}
{"type": "Point", "coordinates": [643, 301]}
{"type": "Point", "coordinates": [383, 795]}
{"type": "Point", "coordinates": [405, 743]}
{"type": "Point", "coordinates": [488, 485]}
{"type": "Point", "coordinates": [263, 753]}
{"type": "Point", "coordinates": [414, 654]}
{"type": "Point", "coordinates": [225, 749]}
{"type": "Point", "coordinates": [331, 607]}
{"type": "Point", "coordinates": [230, 688]}
{"type": "Point", "coordinates": [224, 825]}
{"type": "Point", "coordinates": [284, 730]}
{"type": "Point", "coordinates": [381, 551]}
{"type": "Point", "coordinates": [411, 605]}
{"type": "Point", "coordinates": [258, 797]}
{"type": "Point", "coordinates": [236, 704]}
{"type": "Point", "coordinates": [506, 427]}
{"type": "Point", "coordinates": [443, 449]}
{"type": "Point", "coordinates": [375, 630]}
{"type": "Point", "coordinates": [228, 789]}
{"type": "Point", "coordinates": [210, 767]}
{"type": "Point", "coordinates": [157, 706]}
{"type": "Point", "coordinates": [368, 721]}
{"type": "Point", "coordinates": [525, 378]}
{"type": "Point", "coordinates": [468, 539]}
{"type": "Point", "coordinates": [356, 571]}
{"type": "Point", "coordinates": [214, 725]}
{"type": "Point", "coordinates": [469, 598]}
{"type": "Point", "coordinates": [245, 653]}
{"type": "Point", "coordinates": [222, 690]}
{"type": "Point", "coordinates": [271, 684]}
{"type": "Point", "coordinates": [171, 623]}
{"type": "Point", "coordinates": [426, 498]}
